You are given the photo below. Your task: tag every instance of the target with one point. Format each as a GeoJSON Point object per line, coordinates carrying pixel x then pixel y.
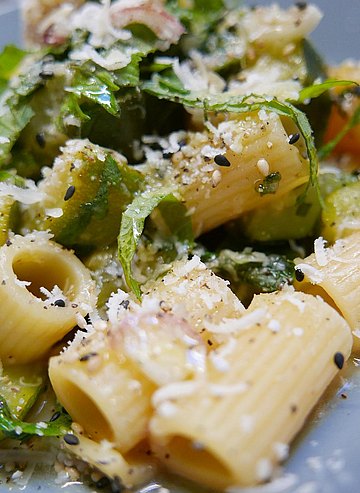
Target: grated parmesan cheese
{"type": "Point", "coordinates": [321, 254]}
{"type": "Point", "coordinates": [233, 325]}
{"type": "Point", "coordinates": [314, 275]}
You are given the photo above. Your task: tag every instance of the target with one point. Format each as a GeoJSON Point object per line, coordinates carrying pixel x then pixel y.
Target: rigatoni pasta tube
{"type": "Point", "coordinates": [334, 274]}
{"type": "Point", "coordinates": [30, 267]}
{"type": "Point", "coordinates": [103, 392]}
{"type": "Point", "coordinates": [220, 173]}
{"type": "Point", "coordinates": [235, 424]}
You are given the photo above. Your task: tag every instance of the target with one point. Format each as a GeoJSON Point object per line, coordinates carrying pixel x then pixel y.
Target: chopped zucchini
{"type": "Point", "coordinates": [20, 386]}
{"type": "Point", "coordinates": [284, 219]}
{"type": "Point", "coordinates": [341, 214]}
{"type": "Point", "coordinates": [85, 194]}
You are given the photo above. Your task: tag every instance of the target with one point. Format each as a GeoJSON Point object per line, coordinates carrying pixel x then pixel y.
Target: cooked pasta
{"type": "Point", "coordinates": [170, 177]}
{"type": "Point", "coordinates": [44, 289]}
{"type": "Point", "coordinates": [217, 432]}
{"type": "Point", "coordinates": [334, 274]}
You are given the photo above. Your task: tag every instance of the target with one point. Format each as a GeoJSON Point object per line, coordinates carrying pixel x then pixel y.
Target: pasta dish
{"type": "Point", "coordinates": [179, 241]}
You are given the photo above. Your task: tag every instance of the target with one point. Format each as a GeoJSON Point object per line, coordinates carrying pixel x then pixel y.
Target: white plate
{"type": "Point", "coordinates": [325, 457]}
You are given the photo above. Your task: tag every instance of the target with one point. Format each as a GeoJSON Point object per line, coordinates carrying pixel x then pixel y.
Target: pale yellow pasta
{"type": "Point", "coordinates": [232, 426]}
{"type": "Point", "coordinates": [192, 290]}
{"type": "Point", "coordinates": [255, 146]}
{"type": "Point", "coordinates": [103, 392]}
{"type": "Point", "coordinates": [36, 274]}
{"type": "Point", "coordinates": [334, 274]}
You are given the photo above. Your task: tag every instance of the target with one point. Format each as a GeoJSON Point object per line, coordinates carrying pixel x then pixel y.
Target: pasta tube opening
{"type": "Point", "coordinates": [44, 289]}
{"type": "Point", "coordinates": [45, 269]}
{"type": "Point", "coordinates": [191, 459]}
{"type": "Point", "coordinates": [85, 410]}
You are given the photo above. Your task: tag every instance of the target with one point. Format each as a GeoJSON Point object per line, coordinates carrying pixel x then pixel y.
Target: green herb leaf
{"type": "Point", "coordinates": [169, 87]}
{"type": "Point", "coordinates": [316, 90]}
{"type": "Point", "coordinates": [132, 226]}
{"type": "Point", "coordinates": [16, 429]}
{"type": "Point", "coordinates": [97, 87]}
{"type": "Point", "coordinates": [12, 122]}
{"type": "Point", "coordinates": [264, 273]}
{"type": "Point", "coordinates": [269, 184]}
{"type": "Point", "coordinates": [10, 59]}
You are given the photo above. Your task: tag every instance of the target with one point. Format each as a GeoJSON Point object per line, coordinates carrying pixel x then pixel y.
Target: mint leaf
{"type": "Point", "coordinates": [169, 87]}
{"type": "Point", "coordinates": [96, 86]}
{"type": "Point", "coordinates": [132, 227]}
{"type": "Point", "coordinates": [316, 90]}
{"type": "Point", "coordinates": [10, 59]}
{"type": "Point", "coordinates": [12, 122]}
{"type": "Point", "coordinates": [265, 273]}
{"type": "Point", "coordinates": [16, 429]}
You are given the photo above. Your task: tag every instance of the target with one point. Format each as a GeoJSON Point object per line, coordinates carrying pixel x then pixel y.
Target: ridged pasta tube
{"type": "Point", "coordinates": [43, 289]}
{"type": "Point", "coordinates": [236, 167]}
{"type": "Point", "coordinates": [334, 274]}
{"type": "Point", "coordinates": [103, 392]}
{"type": "Point", "coordinates": [232, 426]}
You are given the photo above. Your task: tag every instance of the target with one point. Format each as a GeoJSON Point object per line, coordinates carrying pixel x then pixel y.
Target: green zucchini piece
{"type": "Point", "coordinates": [107, 272]}
{"type": "Point", "coordinates": [341, 214]}
{"type": "Point", "coordinates": [85, 194]}
{"type": "Point", "coordinates": [284, 219]}
{"type": "Point", "coordinates": [9, 207]}
{"type": "Point", "coordinates": [20, 386]}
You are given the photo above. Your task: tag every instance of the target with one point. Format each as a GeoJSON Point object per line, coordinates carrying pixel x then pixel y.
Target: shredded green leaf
{"type": "Point", "coordinates": [269, 184]}
{"type": "Point", "coordinates": [132, 227]}
{"type": "Point", "coordinates": [264, 273]}
{"type": "Point", "coordinates": [169, 87]}
{"type": "Point", "coordinates": [315, 90]}
{"type": "Point", "coordinates": [16, 429]}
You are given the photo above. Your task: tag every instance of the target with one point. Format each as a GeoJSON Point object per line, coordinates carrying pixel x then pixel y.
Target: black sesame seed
{"type": "Point", "coordinates": [293, 138]}
{"type": "Point", "coordinates": [299, 275]}
{"type": "Point", "coordinates": [116, 485]}
{"type": "Point", "coordinates": [301, 5]}
{"type": "Point", "coordinates": [71, 439]}
{"type": "Point", "coordinates": [69, 193]}
{"type": "Point", "coordinates": [87, 356]}
{"type": "Point", "coordinates": [222, 160]}
{"type": "Point", "coordinates": [125, 304]}
{"type": "Point", "coordinates": [60, 303]}
{"type": "Point", "coordinates": [55, 416]}
{"type": "Point", "coordinates": [339, 360]}
{"type": "Point", "coordinates": [40, 139]}
{"type": "Point", "coordinates": [8, 243]}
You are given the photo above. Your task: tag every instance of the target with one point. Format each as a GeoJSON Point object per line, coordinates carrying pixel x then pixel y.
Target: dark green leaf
{"type": "Point", "coordinates": [264, 273]}
{"type": "Point", "coordinates": [16, 429]}
{"type": "Point", "coordinates": [269, 184]}
{"type": "Point", "coordinates": [315, 65]}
